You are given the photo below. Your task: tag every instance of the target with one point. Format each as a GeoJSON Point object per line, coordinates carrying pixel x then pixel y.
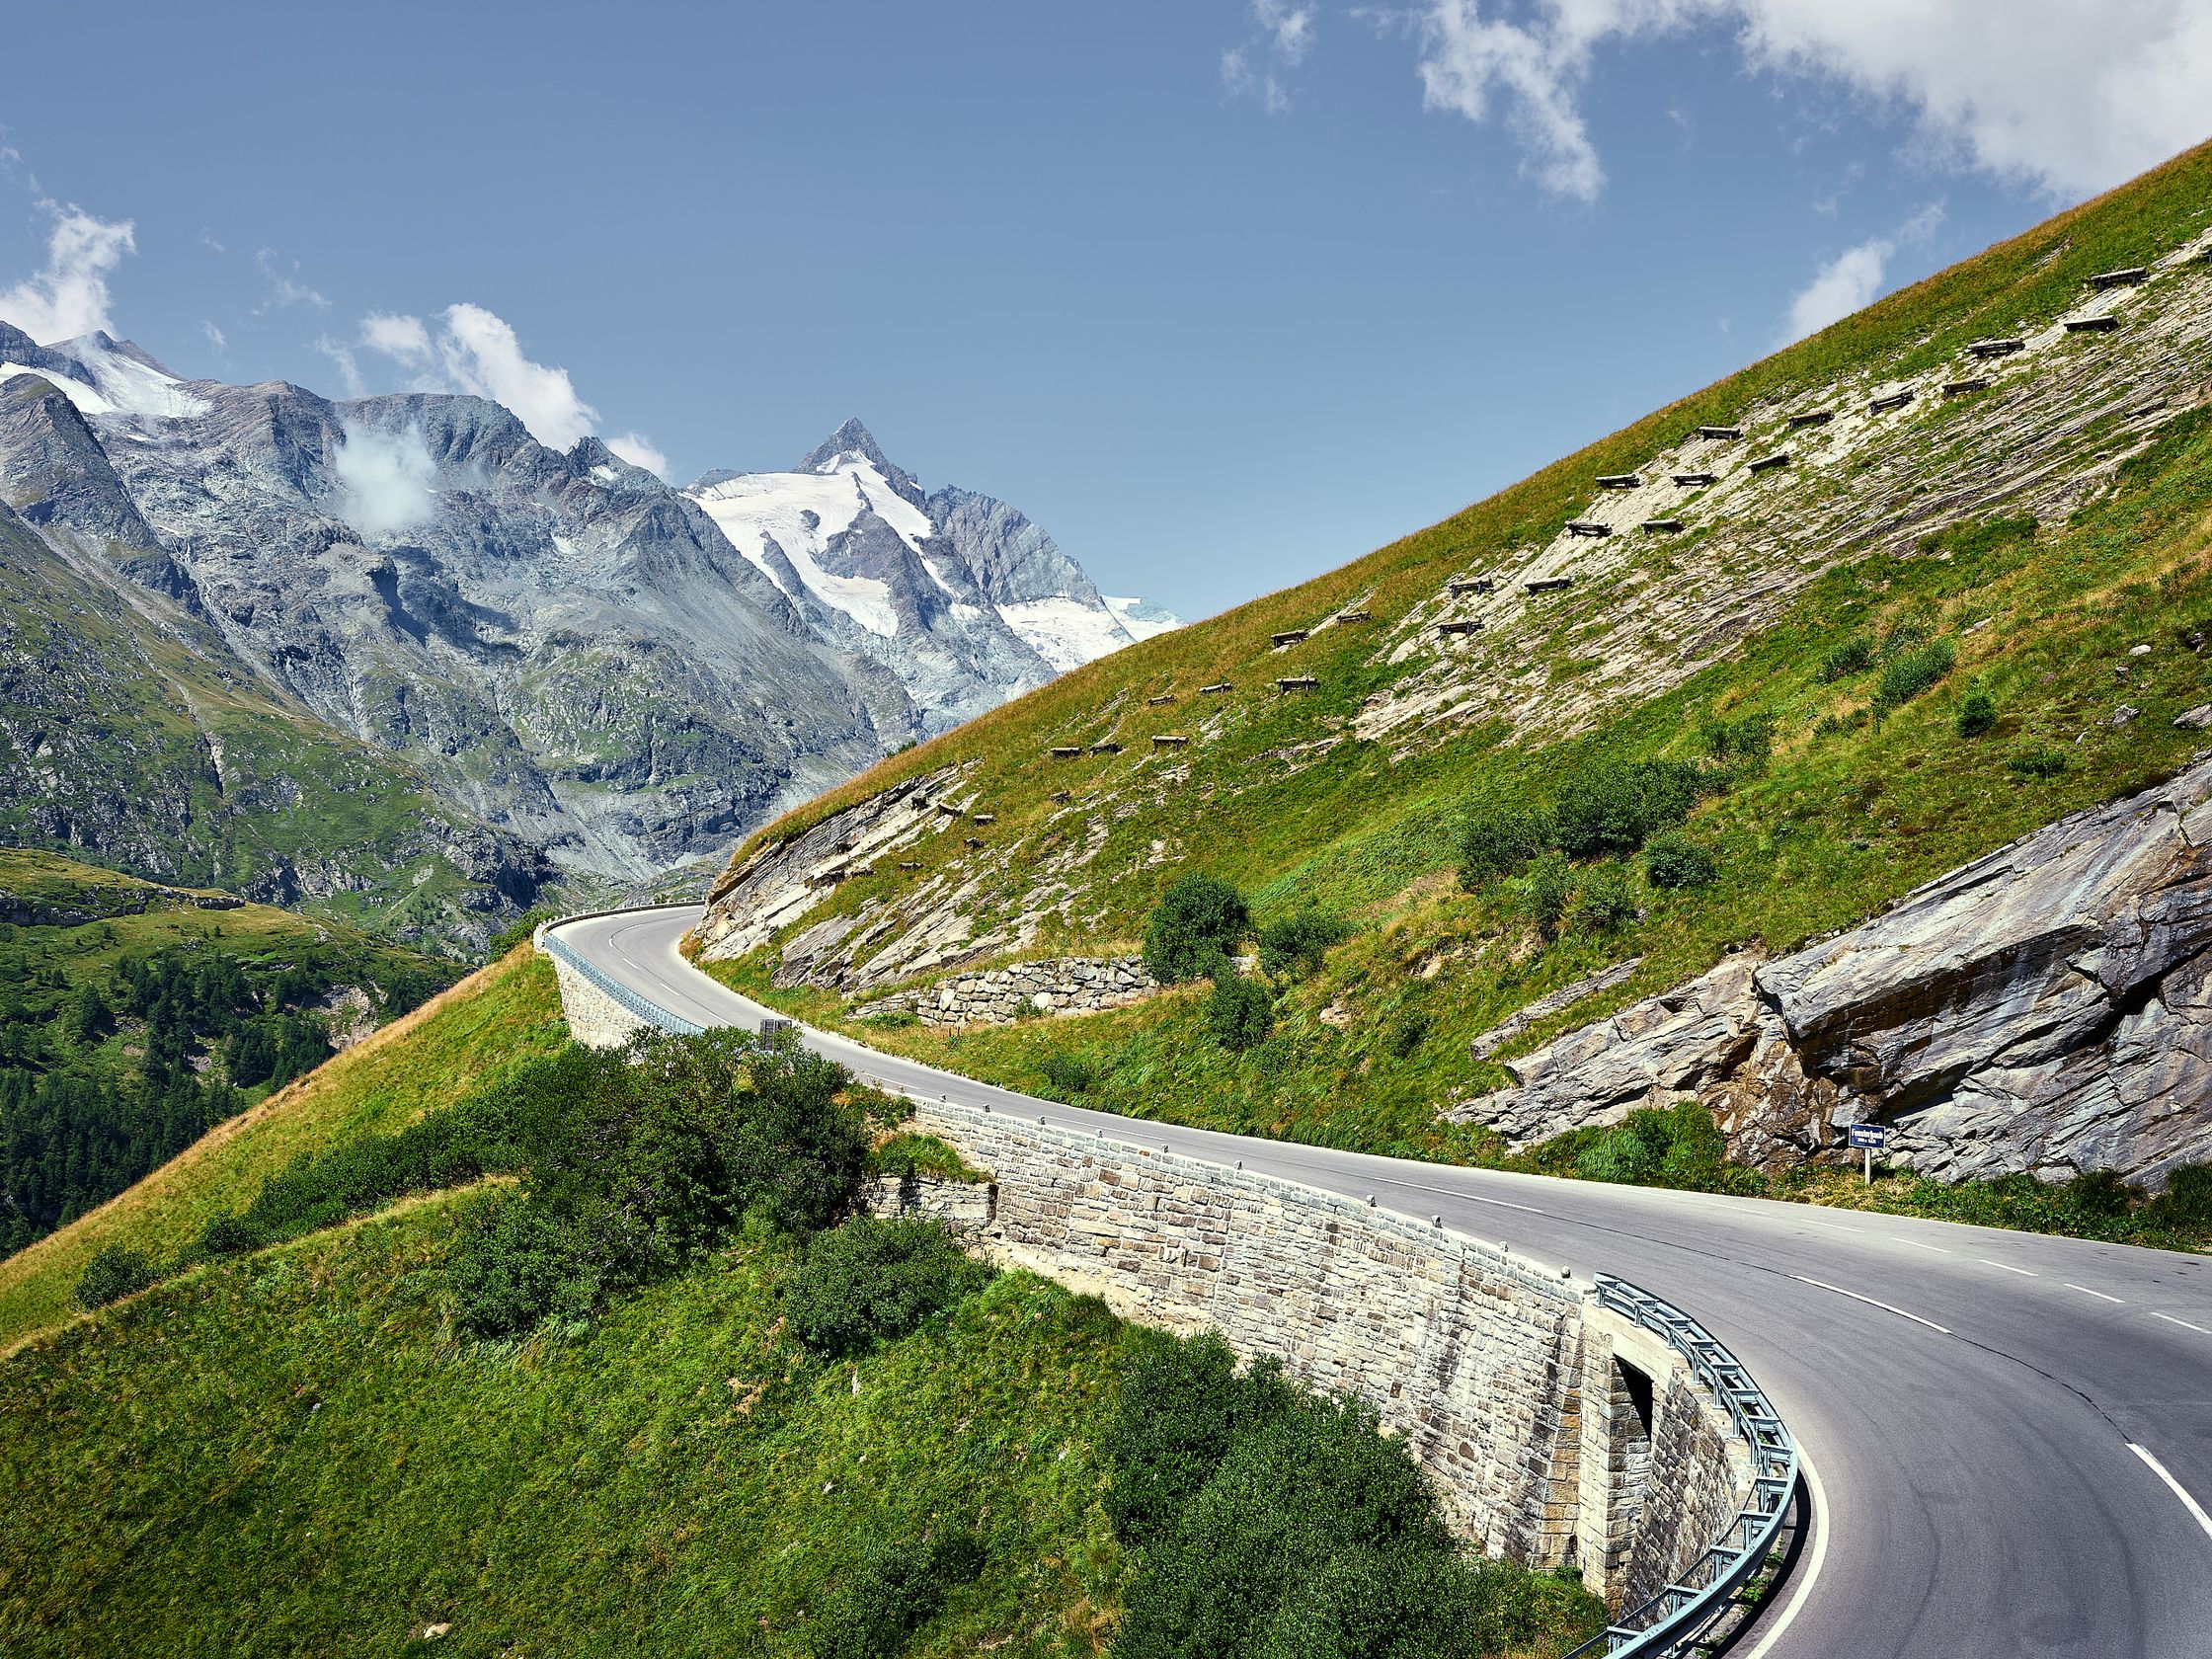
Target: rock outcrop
{"type": "Point", "coordinates": [2045, 1009]}
{"type": "Point", "coordinates": [1076, 985]}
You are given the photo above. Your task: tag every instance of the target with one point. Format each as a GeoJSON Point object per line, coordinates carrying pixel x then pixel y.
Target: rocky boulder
{"type": "Point", "coordinates": [2045, 1009]}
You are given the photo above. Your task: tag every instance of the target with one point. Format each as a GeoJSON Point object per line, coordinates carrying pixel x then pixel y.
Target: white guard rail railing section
{"type": "Point", "coordinates": [549, 942]}
{"type": "Point", "coordinates": [1667, 1624]}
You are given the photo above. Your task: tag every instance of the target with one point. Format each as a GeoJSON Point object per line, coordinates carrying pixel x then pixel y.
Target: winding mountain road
{"type": "Point", "coordinates": [2009, 1436]}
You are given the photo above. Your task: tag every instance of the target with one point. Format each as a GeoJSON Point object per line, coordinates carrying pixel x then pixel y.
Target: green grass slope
{"type": "Point", "coordinates": [485, 1026]}
{"type": "Point", "coordinates": [2030, 534]}
{"type": "Point", "coordinates": [293, 1456]}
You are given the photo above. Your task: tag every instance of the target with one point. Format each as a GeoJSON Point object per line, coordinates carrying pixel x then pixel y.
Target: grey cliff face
{"type": "Point", "coordinates": [568, 651]}
{"type": "Point", "coordinates": [2046, 1008]}
{"type": "Point", "coordinates": [568, 648]}
{"type": "Point", "coordinates": [1011, 559]}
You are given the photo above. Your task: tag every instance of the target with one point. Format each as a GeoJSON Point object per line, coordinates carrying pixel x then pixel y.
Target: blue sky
{"type": "Point", "coordinates": [1222, 292]}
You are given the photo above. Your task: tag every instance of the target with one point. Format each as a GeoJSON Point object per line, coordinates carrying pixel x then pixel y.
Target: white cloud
{"type": "Point", "coordinates": [216, 336]}
{"type": "Point", "coordinates": [474, 350]}
{"type": "Point", "coordinates": [349, 366]}
{"type": "Point", "coordinates": [640, 451]}
{"type": "Point", "coordinates": [69, 296]}
{"type": "Point", "coordinates": [481, 354]}
{"type": "Point", "coordinates": [2065, 96]}
{"type": "Point", "coordinates": [404, 339]}
{"type": "Point", "coordinates": [1852, 279]}
{"type": "Point", "coordinates": [1261, 67]}
{"type": "Point", "coordinates": [1841, 286]}
{"type": "Point", "coordinates": [387, 481]}
{"type": "Point", "coordinates": [284, 289]}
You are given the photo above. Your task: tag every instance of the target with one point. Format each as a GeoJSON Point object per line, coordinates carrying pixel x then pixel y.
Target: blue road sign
{"type": "Point", "coordinates": [1874, 1137]}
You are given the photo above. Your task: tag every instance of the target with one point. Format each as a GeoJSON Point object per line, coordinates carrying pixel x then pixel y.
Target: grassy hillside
{"type": "Point", "coordinates": [134, 1017]}
{"type": "Point", "coordinates": [291, 1456]}
{"type": "Point", "coordinates": [486, 1025]}
{"type": "Point", "coordinates": [745, 1420]}
{"type": "Point", "coordinates": [1811, 640]}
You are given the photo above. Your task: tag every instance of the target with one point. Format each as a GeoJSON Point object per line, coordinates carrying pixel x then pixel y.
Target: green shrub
{"type": "Point", "coordinates": [1611, 808]}
{"type": "Point", "coordinates": [516, 931]}
{"type": "Point", "coordinates": [1913, 671]}
{"type": "Point", "coordinates": [1977, 713]}
{"type": "Point", "coordinates": [1853, 656]}
{"type": "Point", "coordinates": [1607, 899]}
{"type": "Point", "coordinates": [115, 1272]}
{"type": "Point", "coordinates": [911, 1154]}
{"type": "Point", "coordinates": [1240, 1013]}
{"type": "Point", "coordinates": [1180, 1405]}
{"type": "Point", "coordinates": [664, 1145]}
{"type": "Point", "coordinates": [2037, 764]}
{"type": "Point", "coordinates": [1198, 920]}
{"type": "Point", "coordinates": [1296, 944]}
{"type": "Point", "coordinates": [1499, 842]}
{"type": "Point", "coordinates": [893, 1590]}
{"type": "Point", "coordinates": [1068, 1074]}
{"type": "Point", "coordinates": [1270, 1522]}
{"type": "Point", "coordinates": [1410, 1032]}
{"type": "Point", "coordinates": [2187, 1204]}
{"type": "Point", "coordinates": [516, 1265]}
{"type": "Point", "coordinates": [1747, 741]}
{"type": "Point", "coordinates": [1676, 1146]}
{"type": "Point", "coordinates": [1671, 859]}
{"type": "Point", "coordinates": [872, 1280]}
{"type": "Point", "coordinates": [1545, 894]}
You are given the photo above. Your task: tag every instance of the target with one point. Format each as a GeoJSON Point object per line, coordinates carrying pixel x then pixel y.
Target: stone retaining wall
{"type": "Point", "coordinates": [1002, 995]}
{"type": "Point", "coordinates": [595, 1018]}
{"type": "Point", "coordinates": [1483, 1360]}
{"type": "Point", "coordinates": [1556, 1432]}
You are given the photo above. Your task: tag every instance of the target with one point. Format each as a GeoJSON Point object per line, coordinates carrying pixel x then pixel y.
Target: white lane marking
{"type": "Point", "coordinates": [2183, 1323]}
{"type": "Point", "coordinates": [1886, 1307]}
{"type": "Point", "coordinates": [2086, 1291]}
{"type": "Point", "coordinates": [2008, 1267]}
{"type": "Point", "coordinates": [2180, 1492]}
{"type": "Point", "coordinates": [1898, 1238]}
{"type": "Point", "coordinates": [1801, 1583]}
{"type": "Point", "coordinates": [1807, 1220]}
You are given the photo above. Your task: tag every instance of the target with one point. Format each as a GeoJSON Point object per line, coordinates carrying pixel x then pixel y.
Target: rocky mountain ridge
{"type": "Point", "coordinates": [569, 651]}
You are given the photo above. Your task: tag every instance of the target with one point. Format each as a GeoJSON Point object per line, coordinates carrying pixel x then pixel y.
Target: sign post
{"type": "Point", "coordinates": [1873, 1137]}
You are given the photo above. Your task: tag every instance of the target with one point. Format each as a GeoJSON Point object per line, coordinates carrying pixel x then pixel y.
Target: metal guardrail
{"type": "Point", "coordinates": [646, 1010]}
{"type": "Point", "coordinates": [1669, 1622]}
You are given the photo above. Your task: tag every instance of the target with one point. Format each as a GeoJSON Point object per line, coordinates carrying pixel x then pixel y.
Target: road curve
{"type": "Point", "coordinates": [2013, 1434]}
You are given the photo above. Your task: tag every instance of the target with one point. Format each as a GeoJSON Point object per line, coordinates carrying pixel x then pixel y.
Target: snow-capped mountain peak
{"type": "Point", "coordinates": [102, 375]}
{"type": "Point", "coordinates": [983, 582]}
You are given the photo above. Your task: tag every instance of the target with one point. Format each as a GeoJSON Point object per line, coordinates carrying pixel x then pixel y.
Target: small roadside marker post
{"type": "Point", "coordinates": [1873, 1137]}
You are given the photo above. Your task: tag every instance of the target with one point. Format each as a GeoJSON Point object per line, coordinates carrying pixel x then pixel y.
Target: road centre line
{"type": "Point", "coordinates": [2086, 1291]}
{"type": "Point", "coordinates": [1831, 1227]}
{"type": "Point", "coordinates": [2008, 1267]}
{"type": "Point", "coordinates": [1886, 1307]}
{"type": "Point", "coordinates": [2183, 1323]}
{"type": "Point", "coordinates": [2180, 1492]}
{"type": "Point", "coordinates": [1898, 1238]}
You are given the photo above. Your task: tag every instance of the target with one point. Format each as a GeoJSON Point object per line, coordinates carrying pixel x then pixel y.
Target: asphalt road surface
{"type": "Point", "coordinates": [2010, 1437]}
